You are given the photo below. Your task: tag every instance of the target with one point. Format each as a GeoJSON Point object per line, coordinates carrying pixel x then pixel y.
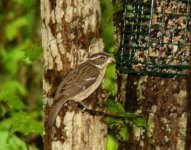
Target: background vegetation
{"type": "Point", "coordinates": [21, 114]}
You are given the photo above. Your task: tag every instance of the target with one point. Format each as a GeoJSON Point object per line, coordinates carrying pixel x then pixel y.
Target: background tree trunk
{"type": "Point", "coordinates": [70, 32]}
{"type": "Point", "coordinates": [164, 102]}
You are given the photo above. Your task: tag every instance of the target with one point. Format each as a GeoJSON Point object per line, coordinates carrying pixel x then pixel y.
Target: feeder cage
{"type": "Point", "coordinates": [156, 38]}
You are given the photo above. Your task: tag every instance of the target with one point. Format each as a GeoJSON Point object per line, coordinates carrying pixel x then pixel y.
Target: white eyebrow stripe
{"type": "Point", "coordinates": [98, 56]}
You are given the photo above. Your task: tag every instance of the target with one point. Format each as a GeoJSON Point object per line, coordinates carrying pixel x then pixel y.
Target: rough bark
{"type": "Point", "coordinates": [163, 102]}
{"type": "Point", "coordinates": [70, 32]}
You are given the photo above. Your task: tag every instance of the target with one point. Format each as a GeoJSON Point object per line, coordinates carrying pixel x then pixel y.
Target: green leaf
{"type": "Point", "coordinates": [19, 1]}
{"type": "Point", "coordinates": [124, 134]}
{"type": "Point", "coordinates": [115, 107]}
{"type": "Point", "coordinates": [107, 25]}
{"type": "Point", "coordinates": [13, 86]}
{"type": "Point", "coordinates": [140, 122]}
{"type": "Point", "coordinates": [13, 144]}
{"type": "Point", "coordinates": [11, 59]}
{"type": "Point", "coordinates": [10, 92]}
{"type": "Point", "coordinates": [34, 52]}
{"type": "Point", "coordinates": [12, 100]}
{"type": "Point", "coordinates": [109, 82]}
{"type": "Point", "coordinates": [111, 143]}
{"type": "Point", "coordinates": [12, 56]}
{"type": "Point", "coordinates": [118, 6]}
{"type": "Point", "coordinates": [111, 71]}
{"type": "Point", "coordinates": [6, 124]}
{"type": "Point", "coordinates": [29, 4]}
{"type": "Point", "coordinates": [111, 121]}
{"type": "Point", "coordinates": [13, 28]}
{"type": "Point", "coordinates": [22, 122]}
{"type": "Point", "coordinates": [110, 86]}
{"type": "Point", "coordinates": [2, 111]}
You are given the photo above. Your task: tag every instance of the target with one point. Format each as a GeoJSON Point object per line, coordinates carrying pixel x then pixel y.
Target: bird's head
{"type": "Point", "coordinates": [101, 60]}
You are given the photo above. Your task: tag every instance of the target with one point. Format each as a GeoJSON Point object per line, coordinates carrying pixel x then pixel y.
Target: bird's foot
{"type": "Point", "coordinates": [85, 106]}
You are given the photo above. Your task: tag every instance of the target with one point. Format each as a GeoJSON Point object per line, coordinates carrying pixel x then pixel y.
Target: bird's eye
{"type": "Point", "coordinates": [102, 58]}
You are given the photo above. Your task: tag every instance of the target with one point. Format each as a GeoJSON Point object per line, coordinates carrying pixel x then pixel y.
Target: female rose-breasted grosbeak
{"type": "Point", "coordinates": [80, 82]}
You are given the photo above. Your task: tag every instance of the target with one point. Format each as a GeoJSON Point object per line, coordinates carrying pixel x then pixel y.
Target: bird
{"type": "Point", "coordinates": [80, 83]}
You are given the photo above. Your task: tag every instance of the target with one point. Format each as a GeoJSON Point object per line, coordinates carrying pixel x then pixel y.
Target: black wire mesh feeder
{"type": "Point", "coordinates": [156, 38]}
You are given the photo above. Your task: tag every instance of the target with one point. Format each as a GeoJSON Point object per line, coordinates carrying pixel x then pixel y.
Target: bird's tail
{"type": "Point", "coordinates": [54, 112]}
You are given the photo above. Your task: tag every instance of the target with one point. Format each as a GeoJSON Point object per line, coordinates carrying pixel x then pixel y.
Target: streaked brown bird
{"type": "Point", "coordinates": [80, 83]}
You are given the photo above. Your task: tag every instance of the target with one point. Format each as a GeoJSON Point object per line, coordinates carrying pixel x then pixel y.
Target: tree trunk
{"type": "Point", "coordinates": [164, 102]}
{"type": "Point", "coordinates": [70, 32]}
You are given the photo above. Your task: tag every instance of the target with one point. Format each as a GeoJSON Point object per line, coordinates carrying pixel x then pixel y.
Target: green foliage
{"type": "Point", "coordinates": [12, 29]}
{"type": "Point", "coordinates": [20, 76]}
{"type": "Point", "coordinates": [111, 143]}
{"type": "Point", "coordinates": [108, 29]}
{"type": "Point", "coordinates": [124, 119]}
{"type": "Point", "coordinates": [24, 123]}
{"type": "Point", "coordinates": [115, 107]}
{"type": "Point", "coordinates": [34, 52]}
{"type": "Point", "coordinates": [118, 6]}
{"type": "Point", "coordinates": [10, 92]}
{"type": "Point", "coordinates": [109, 82]}
{"type": "Point", "coordinates": [11, 58]}
{"type": "Point", "coordinates": [140, 122]}
{"type": "Point", "coordinates": [14, 143]}
{"type": "Point", "coordinates": [124, 134]}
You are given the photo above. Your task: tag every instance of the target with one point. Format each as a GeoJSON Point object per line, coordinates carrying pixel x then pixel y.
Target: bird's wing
{"type": "Point", "coordinates": [77, 80]}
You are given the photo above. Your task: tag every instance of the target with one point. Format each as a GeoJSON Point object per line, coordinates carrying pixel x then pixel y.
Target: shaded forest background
{"type": "Point", "coordinates": [21, 114]}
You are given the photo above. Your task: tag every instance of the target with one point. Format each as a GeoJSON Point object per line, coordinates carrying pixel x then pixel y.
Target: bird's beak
{"type": "Point", "coordinates": [111, 60]}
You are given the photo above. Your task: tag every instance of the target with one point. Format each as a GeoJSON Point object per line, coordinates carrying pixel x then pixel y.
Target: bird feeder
{"type": "Point", "coordinates": [156, 38]}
